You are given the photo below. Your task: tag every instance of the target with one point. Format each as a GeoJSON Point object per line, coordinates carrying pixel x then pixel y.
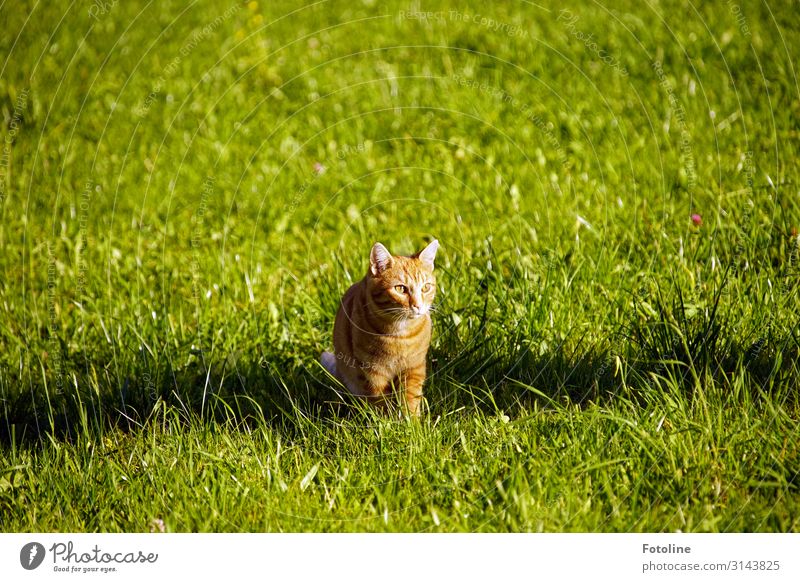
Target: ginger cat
{"type": "Point", "coordinates": [383, 328]}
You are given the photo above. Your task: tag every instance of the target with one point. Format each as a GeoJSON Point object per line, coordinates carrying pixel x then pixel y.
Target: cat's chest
{"type": "Point", "coordinates": [411, 330]}
{"type": "Point", "coordinates": [405, 346]}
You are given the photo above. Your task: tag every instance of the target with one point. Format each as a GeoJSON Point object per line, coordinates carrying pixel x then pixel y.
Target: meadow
{"type": "Point", "coordinates": [189, 188]}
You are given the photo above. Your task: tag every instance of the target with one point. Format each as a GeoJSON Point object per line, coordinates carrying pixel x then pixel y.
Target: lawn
{"type": "Point", "coordinates": [189, 189]}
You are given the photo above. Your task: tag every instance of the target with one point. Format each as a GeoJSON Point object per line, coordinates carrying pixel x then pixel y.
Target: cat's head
{"type": "Point", "coordinates": [402, 287]}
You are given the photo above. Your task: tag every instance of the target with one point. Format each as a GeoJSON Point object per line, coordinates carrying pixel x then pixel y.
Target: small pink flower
{"type": "Point", "coordinates": [697, 219]}
{"type": "Point", "coordinates": [318, 168]}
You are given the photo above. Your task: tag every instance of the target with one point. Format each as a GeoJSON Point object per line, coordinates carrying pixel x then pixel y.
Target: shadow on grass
{"type": "Point", "coordinates": [666, 340]}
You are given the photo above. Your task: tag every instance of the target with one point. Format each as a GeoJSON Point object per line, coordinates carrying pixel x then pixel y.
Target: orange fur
{"type": "Point", "coordinates": [383, 328]}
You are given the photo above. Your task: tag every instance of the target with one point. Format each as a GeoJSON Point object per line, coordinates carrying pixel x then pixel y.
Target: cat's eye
{"type": "Point", "coordinates": [400, 288]}
{"type": "Point", "coordinates": [427, 287]}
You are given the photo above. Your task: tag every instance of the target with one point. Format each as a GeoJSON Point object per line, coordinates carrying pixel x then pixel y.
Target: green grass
{"type": "Point", "coordinates": [172, 262]}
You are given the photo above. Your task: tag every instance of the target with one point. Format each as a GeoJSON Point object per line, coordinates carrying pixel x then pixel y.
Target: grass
{"type": "Point", "coordinates": [188, 191]}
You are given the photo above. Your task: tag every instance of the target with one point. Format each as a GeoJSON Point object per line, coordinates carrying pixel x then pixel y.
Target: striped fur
{"type": "Point", "coordinates": [383, 328]}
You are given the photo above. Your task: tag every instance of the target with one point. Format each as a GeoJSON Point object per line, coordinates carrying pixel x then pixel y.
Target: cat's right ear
{"type": "Point", "coordinates": [379, 259]}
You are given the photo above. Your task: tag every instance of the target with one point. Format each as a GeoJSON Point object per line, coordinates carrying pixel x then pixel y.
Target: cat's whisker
{"type": "Point", "coordinates": [393, 310]}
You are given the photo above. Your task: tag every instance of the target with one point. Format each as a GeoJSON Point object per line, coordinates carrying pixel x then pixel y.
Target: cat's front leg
{"type": "Point", "coordinates": [369, 382]}
{"type": "Point", "coordinates": [414, 378]}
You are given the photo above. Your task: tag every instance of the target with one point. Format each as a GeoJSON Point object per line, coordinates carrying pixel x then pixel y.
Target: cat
{"type": "Point", "coordinates": [383, 328]}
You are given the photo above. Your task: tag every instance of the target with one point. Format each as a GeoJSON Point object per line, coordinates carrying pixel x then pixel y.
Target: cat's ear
{"type": "Point", "coordinates": [428, 254]}
{"type": "Point", "coordinates": [379, 259]}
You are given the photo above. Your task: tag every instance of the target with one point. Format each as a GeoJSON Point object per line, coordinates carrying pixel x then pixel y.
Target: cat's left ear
{"type": "Point", "coordinates": [379, 259]}
{"type": "Point", "coordinates": [428, 254]}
